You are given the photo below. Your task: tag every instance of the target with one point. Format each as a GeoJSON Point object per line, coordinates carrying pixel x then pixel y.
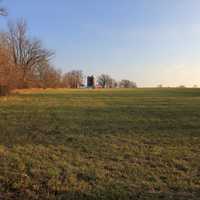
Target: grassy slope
{"type": "Point", "coordinates": [106, 144]}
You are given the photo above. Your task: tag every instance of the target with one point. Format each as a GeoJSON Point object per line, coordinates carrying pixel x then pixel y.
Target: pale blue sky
{"type": "Point", "coordinates": [147, 41]}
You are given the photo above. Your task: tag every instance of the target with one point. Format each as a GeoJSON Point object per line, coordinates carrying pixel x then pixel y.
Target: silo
{"type": "Point", "coordinates": [90, 82]}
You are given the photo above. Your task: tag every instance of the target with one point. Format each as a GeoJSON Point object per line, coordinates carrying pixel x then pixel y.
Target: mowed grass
{"type": "Point", "coordinates": [100, 144]}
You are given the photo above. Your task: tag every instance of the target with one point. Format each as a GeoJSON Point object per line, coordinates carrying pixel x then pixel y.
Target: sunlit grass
{"type": "Point", "coordinates": [100, 144]}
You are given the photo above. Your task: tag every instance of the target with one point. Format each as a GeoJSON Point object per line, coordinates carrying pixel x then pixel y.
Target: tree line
{"type": "Point", "coordinates": [106, 81]}
{"type": "Point", "coordinates": [26, 63]}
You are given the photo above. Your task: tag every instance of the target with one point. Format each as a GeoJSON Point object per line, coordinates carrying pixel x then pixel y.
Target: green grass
{"type": "Point", "coordinates": [100, 144]}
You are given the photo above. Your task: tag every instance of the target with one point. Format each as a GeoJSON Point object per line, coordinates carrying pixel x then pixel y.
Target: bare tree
{"type": "Point", "coordinates": [26, 53]}
{"type": "Point", "coordinates": [114, 83]}
{"type": "Point", "coordinates": [46, 76]}
{"type": "Point", "coordinates": [105, 81]}
{"type": "Point", "coordinates": [3, 11]}
{"type": "Point", "coordinates": [127, 84]}
{"type": "Point", "coordinates": [73, 79]}
{"type": "Point", "coordinates": [4, 66]}
{"type": "Point", "coordinates": [160, 86]}
{"type": "Point", "coordinates": [8, 72]}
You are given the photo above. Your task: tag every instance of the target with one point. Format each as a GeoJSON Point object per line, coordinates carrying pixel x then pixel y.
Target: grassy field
{"type": "Point", "coordinates": [100, 144]}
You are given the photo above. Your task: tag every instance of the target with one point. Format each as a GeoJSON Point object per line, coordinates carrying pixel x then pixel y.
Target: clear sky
{"type": "Point", "coordinates": [148, 41]}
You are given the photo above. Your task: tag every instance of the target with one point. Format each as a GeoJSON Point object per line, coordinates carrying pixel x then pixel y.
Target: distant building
{"type": "Point", "coordinates": [90, 82]}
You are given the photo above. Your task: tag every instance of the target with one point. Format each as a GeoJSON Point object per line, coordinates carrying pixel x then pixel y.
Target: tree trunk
{"type": "Point", "coordinates": [4, 90]}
